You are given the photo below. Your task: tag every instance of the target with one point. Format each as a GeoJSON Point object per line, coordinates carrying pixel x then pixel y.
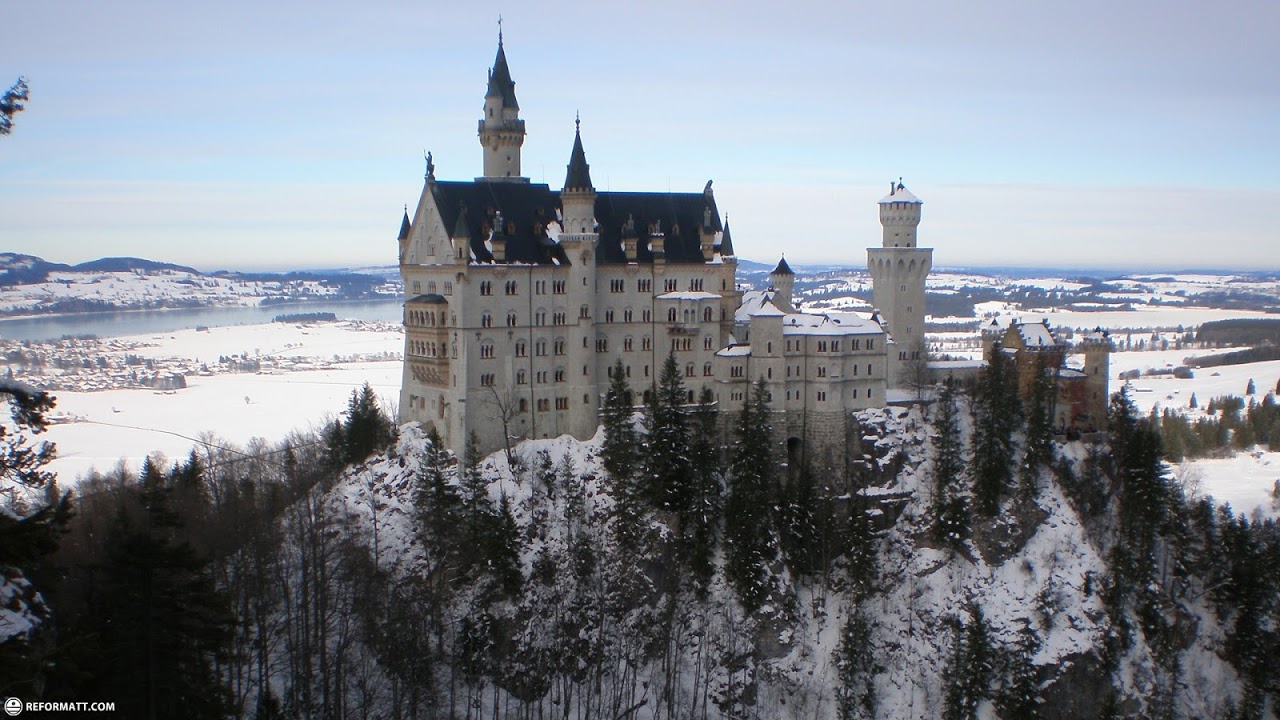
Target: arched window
{"type": "Point", "coordinates": [706, 314]}
{"type": "Point", "coordinates": [671, 315]}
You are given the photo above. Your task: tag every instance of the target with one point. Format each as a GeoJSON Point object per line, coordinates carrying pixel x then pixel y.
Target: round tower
{"type": "Point", "coordinates": [1097, 364]}
{"type": "Point", "coordinates": [782, 279]}
{"type": "Point", "coordinates": [501, 129]}
{"type": "Point", "coordinates": [899, 216]}
{"type": "Point", "coordinates": [898, 272]}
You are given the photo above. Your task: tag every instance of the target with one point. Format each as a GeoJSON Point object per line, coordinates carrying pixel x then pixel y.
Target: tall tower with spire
{"type": "Point", "coordinates": [898, 271]}
{"type": "Point", "coordinates": [501, 129]}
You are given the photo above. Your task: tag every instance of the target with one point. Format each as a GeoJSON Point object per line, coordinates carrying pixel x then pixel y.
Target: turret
{"type": "Point", "coordinates": [1097, 365]}
{"type": "Point", "coordinates": [501, 129]}
{"type": "Point", "coordinates": [726, 241]}
{"type": "Point", "coordinates": [900, 216]}
{"type": "Point", "coordinates": [578, 199]}
{"type": "Point", "coordinates": [782, 279]}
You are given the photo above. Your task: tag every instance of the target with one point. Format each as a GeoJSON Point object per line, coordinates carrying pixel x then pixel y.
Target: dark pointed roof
{"type": "Point", "coordinates": [404, 226]}
{"type": "Point", "coordinates": [783, 268]}
{"type": "Point", "coordinates": [726, 241]}
{"type": "Point", "coordinates": [579, 175]}
{"type": "Point", "coordinates": [500, 82]}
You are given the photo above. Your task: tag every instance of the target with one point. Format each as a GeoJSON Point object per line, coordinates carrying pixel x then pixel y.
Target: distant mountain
{"type": "Point", "coordinates": [17, 269]}
{"type": "Point", "coordinates": [129, 264]}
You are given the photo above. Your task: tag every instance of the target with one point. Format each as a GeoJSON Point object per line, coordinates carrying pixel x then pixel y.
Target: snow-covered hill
{"type": "Point", "coordinates": [714, 660]}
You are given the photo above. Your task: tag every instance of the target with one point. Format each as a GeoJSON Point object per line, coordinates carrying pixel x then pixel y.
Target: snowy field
{"type": "Point", "coordinates": [98, 429]}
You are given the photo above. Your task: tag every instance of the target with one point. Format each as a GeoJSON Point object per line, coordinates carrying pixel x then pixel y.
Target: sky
{"type": "Point", "coordinates": [286, 135]}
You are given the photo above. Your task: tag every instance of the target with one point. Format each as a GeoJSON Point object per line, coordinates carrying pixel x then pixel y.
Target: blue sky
{"type": "Point", "coordinates": [290, 134]}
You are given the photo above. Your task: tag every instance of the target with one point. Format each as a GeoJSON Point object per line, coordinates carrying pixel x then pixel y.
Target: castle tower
{"type": "Point", "coordinates": [1097, 364]}
{"type": "Point", "coordinates": [898, 271]}
{"type": "Point", "coordinates": [501, 129]}
{"type": "Point", "coordinates": [782, 279]}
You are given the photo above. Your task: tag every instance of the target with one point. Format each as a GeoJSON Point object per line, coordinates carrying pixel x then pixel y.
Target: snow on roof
{"type": "Point", "coordinates": [690, 295]}
{"type": "Point", "coordinates": [901, 194]}
{"type": "Point", "coordinates": [767, 310]}
{"type": "Point", "coordinates": [1067, 373]}
{"type": "Point", "coordinates": [829, 324]}
{"type": "Point", "coordinates": [734, 351]}
{"type": "Point", "coordinates": [752, 301]}
{"type": "Point", "coordinates": [1036, 334]}
{"type": "Point", "coordinates": [956, 364]}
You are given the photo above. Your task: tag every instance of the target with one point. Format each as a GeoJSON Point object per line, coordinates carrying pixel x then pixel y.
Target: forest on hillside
{"type": "Point", "coordinates": [971, 566]}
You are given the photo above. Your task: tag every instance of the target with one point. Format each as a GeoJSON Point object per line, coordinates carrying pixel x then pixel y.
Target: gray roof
{"type": "Point", "coordinates": [500, 82]}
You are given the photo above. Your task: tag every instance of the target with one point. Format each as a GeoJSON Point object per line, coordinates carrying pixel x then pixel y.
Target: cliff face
{"type": "Point", "coordinates": [1026, 611]}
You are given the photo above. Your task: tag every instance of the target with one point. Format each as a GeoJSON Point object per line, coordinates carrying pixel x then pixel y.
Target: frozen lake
{"type": "Point", "coordinates": [140, 322]}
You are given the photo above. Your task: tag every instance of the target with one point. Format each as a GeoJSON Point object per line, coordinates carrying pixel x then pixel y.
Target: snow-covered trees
{"type": "Point", "coordinates": [950, 500]}
{"type": "Point", "coordinates": [997, 411]}
{"type": "Point", "coordinates": [750, 535]}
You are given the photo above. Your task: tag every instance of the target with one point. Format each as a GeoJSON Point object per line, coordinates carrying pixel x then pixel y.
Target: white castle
{"type": "Point", "coordinates": [522, 298]}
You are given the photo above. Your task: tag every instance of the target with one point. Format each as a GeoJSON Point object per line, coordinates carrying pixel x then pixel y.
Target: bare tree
{"type": "Point", "coordinates": [915, 374]}
{"type": "Point", "coordinates": [507, 408]}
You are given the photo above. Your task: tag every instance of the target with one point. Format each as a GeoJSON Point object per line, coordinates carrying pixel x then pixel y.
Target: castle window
{"type": "Point", "coordinates": [559, 375]}
{"type": "Point", "coordinates": [544, 405]}
{"type": "Point", "coordinates": [486, 351]}
{"type": "Point", "coordinates": [871, 344]}
{"type": "Point", "coordinates": [671, 314]}
{"type": "Point", "coordinates": [855, 369]}
{"type": "Point", "coordinates": [486, 287]}
{"type": "Point", "coordinates": [453, 319]}
{"type": "Point", "coordinates": [417, 286]}
{"type": "Point", "coordinates": [540, 317]}
{"type": "Point", "coordinates": [608, 316]}
{"type": "Point", "coordinates": [540, 377]}
{"type": "Point", "coordinates": [646, 315]}
{"type": "Point", "coordinates": [706, 342]}
{"type": "Point", "coordinates": [646, 373]}
{"type": "Point", "coordinates": [511, 287]}
{"type": "Point", "coordinates": [902, 354]}
{"type": "Point", "coordinates": [706, 370]}
{"type": "Point", "coordinates": [856, 344]}
{"type": "Point", "coordinates": [524, 405]}
{"type": "Point", "coordinates": [822, 371]}
{"type": "Point", "coordinates": [511, 319]}
{"type": "Point", "coordinates": [431, 286]}
{"type": "Point", "coordinates": [602, 345]}
{"type": "Point", "coordinates": [486, 320]}
{"type": "Point", "coordinates": [626, 315]}
{"type": "Point", "coordinates": [521, 377]}
{"type": "Point", "coordinates": [737, 396]}
{"type": "Point", "coordinates": [644, 285]}
{"type": "Point", "coordinates": [617, 286]}
{"type": "Point", "coordinates": [688, 370]}
{"type": "Point", "coordinates": [626, 344]}
{"type": "Point", "coordinates": [540, 348]}
{"type": "Point", "coordinates": [695, 284]}
{"type": "Point", "coordinates": [822, 396]}
{"type": "Point", "coordinates": [769, 373]}
{"type": "Point", "coordinates": [646, 343]}
{"type": "Point", "coordinates": [448, 288]}
{"type": "Point", "coordinates": [557, 287]}
{"type": "Point", "coordinates": [540, 287]}
{"type": "Point", "coordinates": [557, 317]}
{"type": "Point", "coordinates": [670, 285]}
{"type": "Point", "coordinates": [769, 348]}
{"type": "Point", "coordinates": [584, 311]}
{"type": "Point", "coordinates": [628, 371]}
{"type": "Point", "coordinates": [486, 380]}
{"type": "Point", "coordinates": [706, 314]}
{"type": "Point", "coordinates": [559, 346]}
{"type": "Point", "coordinates": [737, 371]}
{"type": "Point", "coordinates": [723, 315]}
{"type": "Point", "coordinates": [562, 403]}
{"type": "Point", "coordinates": [822, 346]}
{"type": "Point", "coordinates": [690, 315]}
{"type": "Point", "coordinates": [835, 346]}
{"type": "Point", "coordinates": [868, 368]}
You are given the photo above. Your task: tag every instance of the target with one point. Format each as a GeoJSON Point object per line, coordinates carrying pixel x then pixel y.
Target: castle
{"type": "Point", "coordinates": [522, 298]}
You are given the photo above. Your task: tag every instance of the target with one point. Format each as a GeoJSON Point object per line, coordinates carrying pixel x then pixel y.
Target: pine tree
{"type": "Point", "coordinates": [1250, 388]}
{"type": "Point", "coordinates": [1020, 698]}
{"type": "Point", "coordinates": [439, 508]}
{"type": "Point", "coordinates": [1039, 441]}
{"type": "Point", "coordinates": [704, 514]}
{"type": "Point", "coordinates": [367, 429]}
{"type": "Point", "coordinates": [997, 411]}
{"type": "Point", "coordinates": [750, 538]}
{"type": "Point", "coordinates": [856, 668]}
{"type": "Point", "coordinates": [620, 456]}
{"type": "Point", "coordinates": [950, 504]}
{"type": "Point", "coordinates": [971, 671]}
{"type": "Point", "coordinates": [160, 622]}
{"type": "Point", "coordinates": [799, 532]}
{"type": "Point", "coordinates": [667, 482]}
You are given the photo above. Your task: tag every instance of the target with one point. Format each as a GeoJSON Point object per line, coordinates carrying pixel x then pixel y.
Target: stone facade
{"type": "Point", "coordinates": [522, 298]}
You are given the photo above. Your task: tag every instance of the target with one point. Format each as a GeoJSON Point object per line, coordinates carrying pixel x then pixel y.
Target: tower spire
{"type": "Point", "coordinates": [501, 129]}
{"type": "Point", "coordinates": [579, 175]}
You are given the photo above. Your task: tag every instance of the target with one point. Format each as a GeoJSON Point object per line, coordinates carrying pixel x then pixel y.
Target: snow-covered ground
{"type": "Point", "coordinates": [97, 429]}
